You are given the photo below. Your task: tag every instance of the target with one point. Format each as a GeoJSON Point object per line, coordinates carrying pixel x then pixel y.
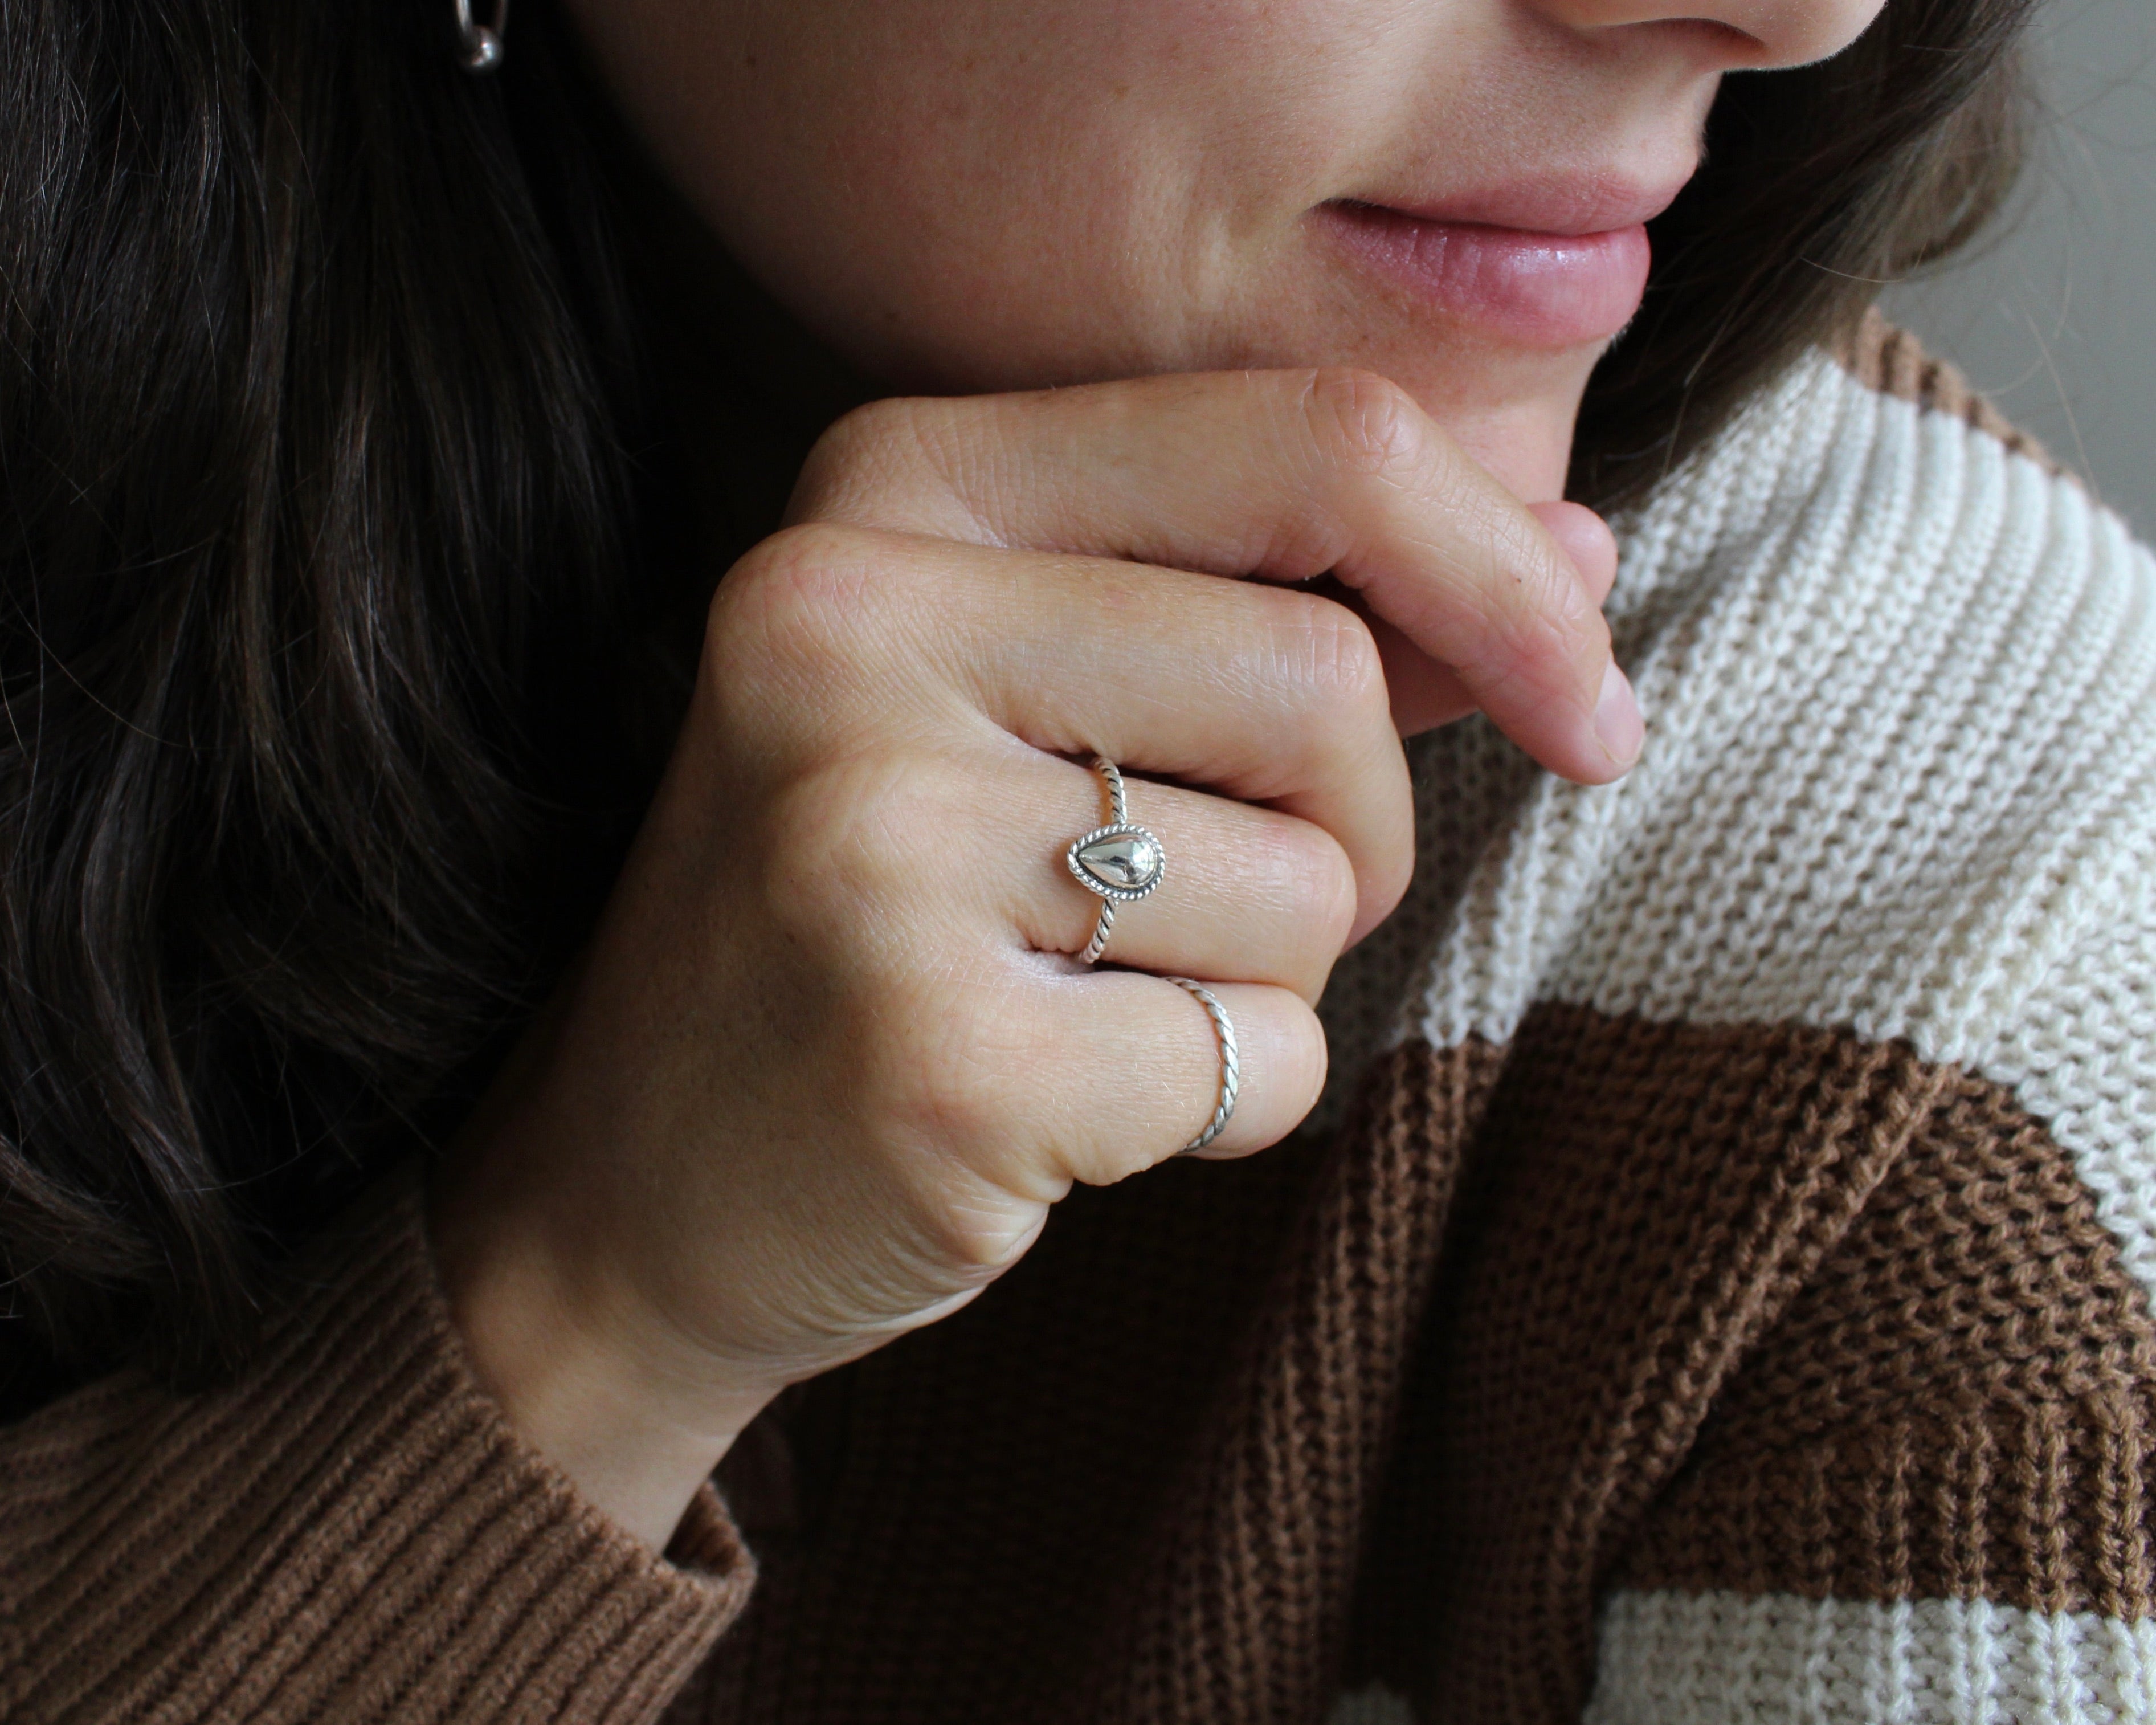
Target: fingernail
{"type": "Point", "coordinates": [1617, 720]}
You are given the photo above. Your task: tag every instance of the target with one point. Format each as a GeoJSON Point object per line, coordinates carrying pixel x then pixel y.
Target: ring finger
{"type": "Point", "coordinates": [1246, 895]}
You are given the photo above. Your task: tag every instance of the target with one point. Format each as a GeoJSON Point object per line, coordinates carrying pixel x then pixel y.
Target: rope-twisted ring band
{"type": "Point", "coordinates": [1231, 1069]}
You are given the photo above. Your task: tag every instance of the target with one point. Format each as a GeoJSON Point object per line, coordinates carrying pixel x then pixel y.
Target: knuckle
{"type": "Point", "coordinates": [1309, 884]}
{"type": "Point", "coordinates": [1539, 642]}
{"type": "Point", "coordinates": [860, 457]}
{"type": "Point", "coordinates": [1336, 658]}
{"type": "Point", "coordinates": [963, 1232]}
{"type": "Point", "coordinates": [1295, 1057]}
{"type": "Point", "coordinates": [1547, 588]}
{"type": "Point", "coordinates": [941, 1120]}
{"type": "Point", "coordinates": [813, 592]}
{"type": "Point", "coordinates": [1315, 1059]}
{"type": "Point", "coordinates": [1365, 422]}
{"type": "Point", "coordinates": [1331, 895]}
{"type": "Point", "coordinates": [946, 1075]}
{"type": "Point", "coordinates": [1284, 1061]}
{"type": "Point", "coordinates": [1536, 598]}
{"type": "Point", "coordinates": [873, 425]}
{"type": "Point", "coordinates": [847, 839]}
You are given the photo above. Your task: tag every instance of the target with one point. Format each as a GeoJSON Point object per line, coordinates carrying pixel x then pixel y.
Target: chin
{"type": "Point", "coordinates": [1513, 412]}
{"type": "Point", "coordinates": [1512, 405]}
{"type": "Point", "coordinates": [1527, 445]}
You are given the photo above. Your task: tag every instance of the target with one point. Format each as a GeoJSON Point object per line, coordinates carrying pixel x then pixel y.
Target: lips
{"type": "Point", "coordinates": [1552, 264]}
{"type": "Point", "coordinates": [1563, 204]}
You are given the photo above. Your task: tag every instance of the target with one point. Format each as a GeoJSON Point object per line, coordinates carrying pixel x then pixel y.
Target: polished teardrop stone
{"type": "Point", "coordinates": [1129, 862]}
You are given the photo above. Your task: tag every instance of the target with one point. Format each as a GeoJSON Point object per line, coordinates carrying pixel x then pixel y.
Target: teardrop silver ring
{"type": "Point", "coordinates": [1120, 862]}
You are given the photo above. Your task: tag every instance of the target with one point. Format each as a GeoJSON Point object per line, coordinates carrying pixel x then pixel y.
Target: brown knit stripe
{"type": "Point", "coordinates": [212, 1476]}
{"type": "Point", "coordinates": [1244, 1605]}
{"type": "Point", "coordinates": [299, 1412]}
{"type": "Point", "coordinates": [1763, 1310]}
{"type": "Point", "coordinates": [1642, 1203]}
{"type": "Point", "coordinates": [1884, 357]}
{"type": "Point", "coordinates": [373, 1457]}
{"type": "Point", "coordinates": [1130, 1482]}
{"type": "Point", "coordinates": [1181, 1400]}
{"type": "Point", "coordinates": [1959, 1403]}
{"type": "Point", "coordinates": [350, 1531]}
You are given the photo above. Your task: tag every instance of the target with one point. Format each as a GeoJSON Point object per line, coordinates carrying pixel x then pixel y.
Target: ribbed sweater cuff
{"type": "Point", "coordinates": [352, 1531]}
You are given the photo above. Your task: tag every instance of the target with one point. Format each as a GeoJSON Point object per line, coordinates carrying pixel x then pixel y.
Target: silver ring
{"type": "Point", "coordinates": [1231, 1069]}
{"type": "Point", "coordinates": [480, 47]}
{"type": "Point", "coordinates": [1120, 862]}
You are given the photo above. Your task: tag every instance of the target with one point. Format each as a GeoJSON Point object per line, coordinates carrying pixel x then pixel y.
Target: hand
{"type": "Point", "coordinates": [825, 1065]}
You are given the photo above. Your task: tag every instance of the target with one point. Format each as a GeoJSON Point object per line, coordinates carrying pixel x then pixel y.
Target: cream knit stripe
{"type": "Point", "coordinates": [369, 1540]}
{"type": "Point", "coordinates": [1901, 777]}
{"type": "Point", "coordinates": [1732, 1659]}
{"type": "Point", "coordinates": [1468, 780]}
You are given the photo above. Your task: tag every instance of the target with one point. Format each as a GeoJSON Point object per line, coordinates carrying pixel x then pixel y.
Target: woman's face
{"type": "Point", "coordinates": [993, 194]}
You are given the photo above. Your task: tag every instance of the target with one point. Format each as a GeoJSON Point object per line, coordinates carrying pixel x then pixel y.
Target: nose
{"type": "Point", "coordinates": [1744, 34]}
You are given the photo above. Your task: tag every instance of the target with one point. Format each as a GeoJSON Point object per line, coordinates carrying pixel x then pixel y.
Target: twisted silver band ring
{"type": "Point", "coordinates": [1231, 1070]}
{"type": "Point", "coordinates": [1120, 862]}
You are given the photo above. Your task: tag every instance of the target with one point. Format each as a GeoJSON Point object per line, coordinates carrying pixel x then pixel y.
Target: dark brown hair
{"type": "Point", "coordinates": [1821, 185]}
{"type": "Point", "coordinates": [329, 518]}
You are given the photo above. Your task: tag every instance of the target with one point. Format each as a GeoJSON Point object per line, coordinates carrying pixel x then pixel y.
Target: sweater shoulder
{"type": "Point", "coordinates": [1900, 678]}
{"type": "Point", "coordinates": [1890, 360]}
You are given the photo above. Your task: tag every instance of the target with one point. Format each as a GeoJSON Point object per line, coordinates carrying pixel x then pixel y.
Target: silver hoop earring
{"type": "Point", "coordinates": [480, 46]}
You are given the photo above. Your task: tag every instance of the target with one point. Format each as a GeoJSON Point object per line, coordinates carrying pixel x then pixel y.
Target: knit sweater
{"type": "Point", "coordinates": [1716, 1288]}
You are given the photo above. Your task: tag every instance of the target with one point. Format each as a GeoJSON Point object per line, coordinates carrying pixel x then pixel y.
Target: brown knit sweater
{"type": "Point", "coordinates": [1719, 1288]}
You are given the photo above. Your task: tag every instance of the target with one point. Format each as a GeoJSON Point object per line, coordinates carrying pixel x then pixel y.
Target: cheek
{"type": "Point", "coordinates": [976, 194]}
{"type": "Point", "coordinates": [958, 201]}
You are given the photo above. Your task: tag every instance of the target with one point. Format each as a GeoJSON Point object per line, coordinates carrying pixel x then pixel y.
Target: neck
{"type": "Point", "coordinates": [744, 389]}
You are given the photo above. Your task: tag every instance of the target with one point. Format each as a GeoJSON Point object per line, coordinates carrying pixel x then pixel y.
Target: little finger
{"type": "Point", "coordinates": [1137, 1069]}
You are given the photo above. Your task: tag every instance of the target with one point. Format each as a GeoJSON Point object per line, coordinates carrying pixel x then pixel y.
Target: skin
{"type": "Point", "coordinates": [826, 1065]}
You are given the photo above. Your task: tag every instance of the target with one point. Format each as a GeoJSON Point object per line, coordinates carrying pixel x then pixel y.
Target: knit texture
{"type": "Point", "coordinates": [1676, 1069]}
{"type": "Point", "coordinates": [1880, 1334]}
{"type": "Point", "coordinates": [350, 1532]}
{"type": "Point", "coordinates": [1700, 1659]}
{"type": "Point", "coordinates": [1717, 1287]}
{"type": "Point", "coordinates": [1892, 362]}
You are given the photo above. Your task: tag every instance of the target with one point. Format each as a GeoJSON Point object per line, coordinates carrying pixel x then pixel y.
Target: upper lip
{"type": "Point", "coordinates": [1564, 204]}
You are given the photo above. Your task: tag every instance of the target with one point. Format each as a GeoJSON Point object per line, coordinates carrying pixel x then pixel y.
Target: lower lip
{"type": "Point", "coordinates": [1537, 290]}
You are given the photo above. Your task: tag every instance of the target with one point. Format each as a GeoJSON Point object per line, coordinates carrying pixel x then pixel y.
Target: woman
{"type": "Point", "coordinates": [1715, 1283]}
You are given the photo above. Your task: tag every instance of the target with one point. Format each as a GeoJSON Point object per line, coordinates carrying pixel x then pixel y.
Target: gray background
{"type": "Point", "coordinates": [2053, 315]}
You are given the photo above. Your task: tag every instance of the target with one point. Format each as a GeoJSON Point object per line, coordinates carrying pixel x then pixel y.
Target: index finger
{"type": "Point", "coordinates": [1279, 474]}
